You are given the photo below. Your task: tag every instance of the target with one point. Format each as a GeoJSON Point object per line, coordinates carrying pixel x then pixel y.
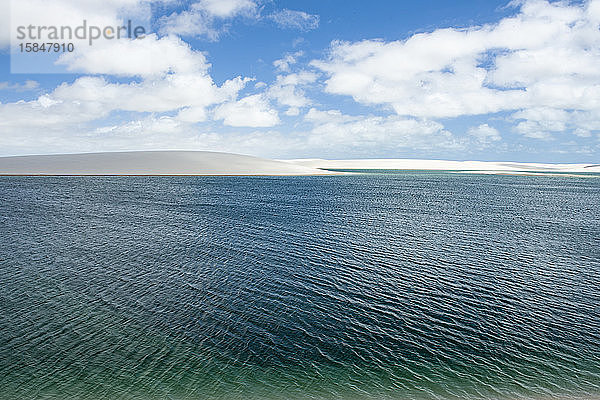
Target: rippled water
{"type": "Point", "coordinates": [396, 286]}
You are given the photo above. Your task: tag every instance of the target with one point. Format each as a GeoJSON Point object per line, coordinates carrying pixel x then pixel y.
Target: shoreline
{"type": "Point", "coordinates": [445, 165]}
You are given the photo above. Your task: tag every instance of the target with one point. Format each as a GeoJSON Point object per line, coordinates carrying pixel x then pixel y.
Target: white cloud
{"type": "Point", "coordinates": [284, 63]}
{"type": "Point", "coordinates": [153, 133]}
{"type": "Point", "coordinates": [147, 133]}
{"type": "Point", "coordinates": [292, 112]}
{"type": "Point", "coordinates": [533, 130]}
{"type": "Point", "coordinates": [205, 17]}
{"type": "Point", "coordinates": [170, 93]}
{"type": "Point", "coordinates": [485, 133]}
{"type": "Point", "coordinates": [251, 111]}
{"type": "Point", "coordinates": [226, 8]}
{"type": "Point", "coordinates": [291, 19]}
{"type": "Point", "coordinates": [330, 132]}
{"type": "Point", "coordinates": [582, 133]}
{"type": "Point", "coordinates": [354, 134]}
{"type": "Point", "coordinates": [192, 114]}
{"type": "Point", "coordinates": [145, 57]}
{"type": "Point", "coordinates": [20, 87]}
{"type": "Point", "coordinates": [46, 112]}
{"type": "Point", "coordinates": [544, 56]}
{"type": "Point", "coordinates": [287, 90]}
{"type": "Point", "coordinates": [136, 128]}
{"type": "Point", "coordinates": [94, 98]}
{"type": "Point", "coordinates": [172, 77]}
{"type": "Point", "coordinates": [189, 23]}
{"type": "Point", "coordinates": [538, 66]}
{"type": "Point", "coordinates": [542, 122]}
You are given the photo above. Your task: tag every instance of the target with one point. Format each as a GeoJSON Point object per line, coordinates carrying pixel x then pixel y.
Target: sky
{"type": "Point", "coordinates": [464, 80]}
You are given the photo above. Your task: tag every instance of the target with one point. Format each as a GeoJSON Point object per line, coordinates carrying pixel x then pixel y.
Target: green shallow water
{"type": "Point", "coordinates": [381, 286]}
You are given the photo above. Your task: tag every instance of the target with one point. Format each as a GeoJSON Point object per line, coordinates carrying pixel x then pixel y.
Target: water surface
{"type": "Point", "coordinates": [383, 286]}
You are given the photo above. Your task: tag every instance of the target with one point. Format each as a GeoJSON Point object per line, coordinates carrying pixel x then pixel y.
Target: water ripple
{"type": "Point", "coordinates": [420, 286]}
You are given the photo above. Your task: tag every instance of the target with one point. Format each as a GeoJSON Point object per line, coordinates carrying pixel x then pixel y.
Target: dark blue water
{"type": "Point", "coordinates": [400, 286]}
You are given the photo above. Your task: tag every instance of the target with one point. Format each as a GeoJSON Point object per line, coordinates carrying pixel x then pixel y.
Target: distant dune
{"type": "Point", "coordinates": [213, 163]}
{"type": "Point", "coordinates": [150, 163]}
{"type": "Point", "coordinates": [441, 165]}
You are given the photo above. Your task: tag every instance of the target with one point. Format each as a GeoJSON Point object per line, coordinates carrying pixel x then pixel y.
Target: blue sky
{"type": "Point", "coordinates": [466, 80]}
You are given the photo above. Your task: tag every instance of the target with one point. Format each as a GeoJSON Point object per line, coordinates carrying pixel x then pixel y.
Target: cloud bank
{"type": "Point", "coordinates": [540, 63]}
{"type": "Point", "coordinates": [533, 75]}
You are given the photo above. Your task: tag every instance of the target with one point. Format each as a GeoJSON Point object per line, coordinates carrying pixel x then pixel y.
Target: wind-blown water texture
{"type": "Point", "coordinates": [394, 286]}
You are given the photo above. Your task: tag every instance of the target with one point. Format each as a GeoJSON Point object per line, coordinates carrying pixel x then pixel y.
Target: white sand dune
{"type": "Point", "coordinates": [150, 163]}
{"type": "Point", "coordinates": [213, 163]}
{"type": "Point", "coordinates": [441, 165]}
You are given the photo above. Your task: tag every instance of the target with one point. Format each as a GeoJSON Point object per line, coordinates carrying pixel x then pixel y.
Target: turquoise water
{"type": "Point", "coordinates": [437, 172]}
{"type": "Point", "coordinates": [382, 286]}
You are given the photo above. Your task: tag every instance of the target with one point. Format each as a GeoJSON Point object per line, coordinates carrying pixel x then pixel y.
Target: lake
{"type": "Point", "coordinates": [371, 286]}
